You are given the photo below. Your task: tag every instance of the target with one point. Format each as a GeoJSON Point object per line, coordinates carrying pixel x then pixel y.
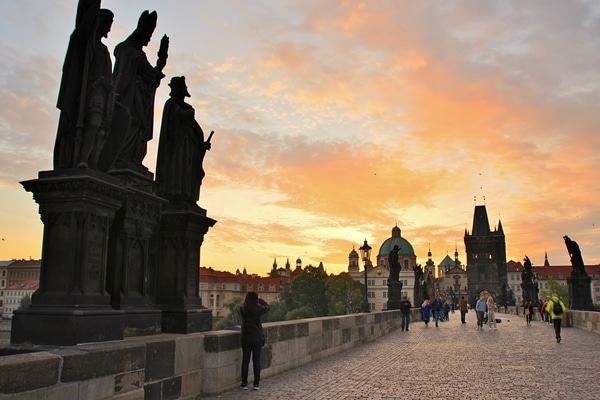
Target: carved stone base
{"type": "Point", "coordinates": [141, 322]}
{"type": "Point", "coordinates": [58, 327]}
{"type": "Point", "coordinates": [186, 321]}
{"type": "Point", "coordinates": [580, 292]}
{"type": "Point", "coordinates": [394, 295]}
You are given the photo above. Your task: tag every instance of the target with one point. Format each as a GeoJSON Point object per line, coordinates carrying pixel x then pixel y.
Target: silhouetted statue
{"type": "Point", "coordinates": [575, 254]}
{"type": "Point", "coordinates": [527, 274]}
{"type": "Point", "coordinates": [394, 265]}
{"type": "Point", "coordinates": [181, 149]}
{"type": "Point", "coordinates": [86, 94]}
{"type": "Point", "coordinates": [137, 80]}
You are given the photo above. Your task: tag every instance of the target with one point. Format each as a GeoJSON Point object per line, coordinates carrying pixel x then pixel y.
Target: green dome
{"type": "Point", "coordinates": [406, 248]}
{"type": "Point", "coordinates": [353, 254]}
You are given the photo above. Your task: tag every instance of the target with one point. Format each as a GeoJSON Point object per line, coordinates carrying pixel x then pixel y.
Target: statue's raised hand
{"type": "Point", "coordinates": [163, 52]}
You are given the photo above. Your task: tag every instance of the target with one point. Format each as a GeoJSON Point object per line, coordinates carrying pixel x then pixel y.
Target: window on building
{"type": "Point", "coordinates": [384, 295]}
{"type": "Point", "coordinates": [236, 286]}
{"type": "Point", "coordinates": [272, 287]}
{"type": "Point", "coordinates": [250, 287]}
{"type": "Point", "coordinates": [261, 287]}
{"type": "Point", "coordinates": [224, 286]}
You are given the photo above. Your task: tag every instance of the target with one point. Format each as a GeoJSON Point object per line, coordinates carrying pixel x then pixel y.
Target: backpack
{"type": "Point", "coordinates": [557, 309]}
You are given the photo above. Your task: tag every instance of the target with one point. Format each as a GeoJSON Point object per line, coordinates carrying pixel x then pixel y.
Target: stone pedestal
{"type": "Point", "coordinates": [580, 294]}
{"type": "Point", "coordinates": [394, 295]}
{"type": "Point", "coordinates": [132, 254]}
{"type": "Point", "coordinates": [181, 235]}
{"type": "Point", "coordinates": [72, 305]}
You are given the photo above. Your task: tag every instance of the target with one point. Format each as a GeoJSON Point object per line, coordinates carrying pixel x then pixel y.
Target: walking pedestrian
{"type": "Point", "coordinates": [528, 310]}
{"type": "Point", "coordinates": [491, 310]}
{"type": "Point", "coordinates": [480, 308]}
{"type": "Point", "coordinates": [437, 307]}
{"type": "Point", "coordinates": [464, 309]}
{"type": "Point", "coordinates": [252, 336]}
{"type": "Point", "coordinates": [557, 309]}
{"type": "Point", "coordinates": [426, 311]}
{"type": "Point", "coordinates": [405, 307]}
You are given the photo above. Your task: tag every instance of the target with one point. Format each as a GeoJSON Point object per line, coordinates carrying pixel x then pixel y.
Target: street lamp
{"type": "Point", "coordinates": [365, 252]}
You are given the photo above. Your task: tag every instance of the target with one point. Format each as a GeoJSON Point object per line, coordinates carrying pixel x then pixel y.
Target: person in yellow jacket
{"type": "Point", "coordinates": [555, 314]}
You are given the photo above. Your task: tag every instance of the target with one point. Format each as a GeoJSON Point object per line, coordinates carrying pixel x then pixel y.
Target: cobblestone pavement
{"type": "Point", "coordinates": [454, 361]}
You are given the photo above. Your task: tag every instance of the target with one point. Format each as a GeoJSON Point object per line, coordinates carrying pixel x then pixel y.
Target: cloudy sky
{"type": "Point", "coordinates": [335, 120]}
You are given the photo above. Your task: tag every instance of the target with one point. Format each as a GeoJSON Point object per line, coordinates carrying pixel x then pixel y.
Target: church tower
{"type": "Point", "coordinates": [486, 257]}
{"type": "Point", "coordinates": [353, 261]}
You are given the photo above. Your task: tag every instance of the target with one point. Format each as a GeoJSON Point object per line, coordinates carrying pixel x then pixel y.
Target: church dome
{"type": "Point", "coordinates": [353, 254]}
{"type": "Point", "coordinates": [406, 248]}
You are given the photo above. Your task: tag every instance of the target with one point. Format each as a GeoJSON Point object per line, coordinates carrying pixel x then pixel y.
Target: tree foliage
{"type": "Point", "coordinates": [234, 318]}
{"type": "Point", "coordinates": [276, 313]}
{"type": "Point", "coordinates": [25, 302]}
{"type": "Point", "coordinates": [554, 287]}
{"type": "Point", "coordinates": [301, 313]}
{"type": "Point", "coordinates": [307, 290]}
{"type": "Point", "coordinates": [344, 294]}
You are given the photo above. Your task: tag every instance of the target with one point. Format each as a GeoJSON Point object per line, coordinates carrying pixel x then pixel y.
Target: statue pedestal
{"type": "Point", "coordinates": [181, 235]}
{"type": "Point", "coordinates": [394, 295]}
{"type": "Point", "coordinates": [132, 254]}
{"type": "Point", "coordinates": [580, 294]}
{"type": "Point", "coordinates": [72, 305]}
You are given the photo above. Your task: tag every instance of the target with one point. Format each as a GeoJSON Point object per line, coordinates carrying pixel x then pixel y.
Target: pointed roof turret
{"type": "Point", "coordinates": [546, 262]}
{"type": "Point", "coordinates": [481, 224]}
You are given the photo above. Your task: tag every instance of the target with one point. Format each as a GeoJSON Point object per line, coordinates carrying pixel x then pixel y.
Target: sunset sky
{"type": "Point", "coordinates": [336, 120]}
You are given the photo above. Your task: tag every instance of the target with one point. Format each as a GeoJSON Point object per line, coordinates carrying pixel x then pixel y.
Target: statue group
{"type": "Point", "coordinates": [121, 249]}
{"type": "Point", "coordinates": [106, 118]}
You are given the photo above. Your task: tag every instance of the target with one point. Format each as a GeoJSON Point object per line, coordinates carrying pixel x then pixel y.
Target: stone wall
{"type": "Point", "coordinates": [177, 366]}
{"type": "Point", "coordinates": [586, 320]}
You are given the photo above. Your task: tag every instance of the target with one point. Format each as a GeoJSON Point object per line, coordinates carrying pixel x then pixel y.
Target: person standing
{"type": "Point", "coordinates": [480, 308]}
{"type": "Point", "coordinates": [252, 336]}
{"type": "Point", "coordinates": [491, 310]}
{"type": "Point", "coordinates": [405, 306]}
{"type": "Point", "coordinates": [437, 307]}
{"type": "Point", "coordinates": [426, 311]}
{"type": "Point", "coordinates": [464, 308]}
{"type": "Point", "coordinates": [557, 309]}
{"type": "Point", "coordinates": [528, 312]}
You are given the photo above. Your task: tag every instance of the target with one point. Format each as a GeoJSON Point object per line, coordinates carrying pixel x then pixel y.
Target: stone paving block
{"type": "Point", "coordinates": [16, 371]}
{"type": "Point", "coordinates": [98, 388]}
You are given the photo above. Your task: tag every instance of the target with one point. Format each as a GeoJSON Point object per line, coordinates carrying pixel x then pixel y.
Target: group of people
{"type": "Point", "coordinates": [551, 311]}
{"type": "Point", "coordinates": [254, 308]}
{"type": "Point", "coordinates": [485, 307]}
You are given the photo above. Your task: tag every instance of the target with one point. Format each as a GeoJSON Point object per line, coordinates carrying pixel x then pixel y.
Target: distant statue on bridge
{"type": "Point", "coordinates": [527, 274]}
{"type": "Point", "coordinates": [394, 265]}
{"type": "Point", "coordinates": [575, 254]}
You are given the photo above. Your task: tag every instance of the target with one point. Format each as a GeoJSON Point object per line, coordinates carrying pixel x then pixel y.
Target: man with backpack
{"type": "Point", "coordinates": [557, 309]}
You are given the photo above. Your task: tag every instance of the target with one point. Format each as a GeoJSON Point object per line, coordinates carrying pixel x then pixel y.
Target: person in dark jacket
{"type": "Point", "coordinates": [252, 336]}
{"type": "Point", "coordinates": [405, 306]}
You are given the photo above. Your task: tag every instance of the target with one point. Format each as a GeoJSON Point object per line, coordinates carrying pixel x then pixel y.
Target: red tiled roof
{"type": "Point", "coordinates": [30, 284]}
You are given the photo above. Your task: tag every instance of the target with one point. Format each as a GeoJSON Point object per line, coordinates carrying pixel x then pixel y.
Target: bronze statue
{"type": "Point", "coordinates": [394, 264]}
{"type": "Point", "coordinates": [137, 80]}
{"type": "Point", "coordinates": [86, 94]}
{"type": "Point", "coordinates": [181, 149]}
{"type": "Point", "coordinates": [575, 254]}
{"type": "Point", "coordinates": [527, 273]}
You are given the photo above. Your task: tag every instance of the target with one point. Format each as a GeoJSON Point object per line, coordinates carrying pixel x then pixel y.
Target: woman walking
{"type": "Point", "coordinates": [528, 312]}
{"type": "Point", "coordinates": [252, 336]}
{"type": "Point", "coordinates": [491, 310]}
{"type": "Point", "coordinates": [426, 311]}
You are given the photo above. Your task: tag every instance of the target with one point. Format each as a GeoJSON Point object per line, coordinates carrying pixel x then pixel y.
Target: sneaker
{"type": "Point", "coordinates": [256, 387]}
{"type": "Point", "coordinates": [558, 340]}
{"type": "Point", "coordinates": [243, 387]}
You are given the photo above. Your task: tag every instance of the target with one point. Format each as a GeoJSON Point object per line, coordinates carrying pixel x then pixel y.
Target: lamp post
{"type": "Point", "coordinates": [365, 252]}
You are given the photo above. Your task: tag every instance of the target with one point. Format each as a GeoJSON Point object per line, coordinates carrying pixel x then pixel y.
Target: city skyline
{"type": "Point", "coordinates": [334, 121]}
